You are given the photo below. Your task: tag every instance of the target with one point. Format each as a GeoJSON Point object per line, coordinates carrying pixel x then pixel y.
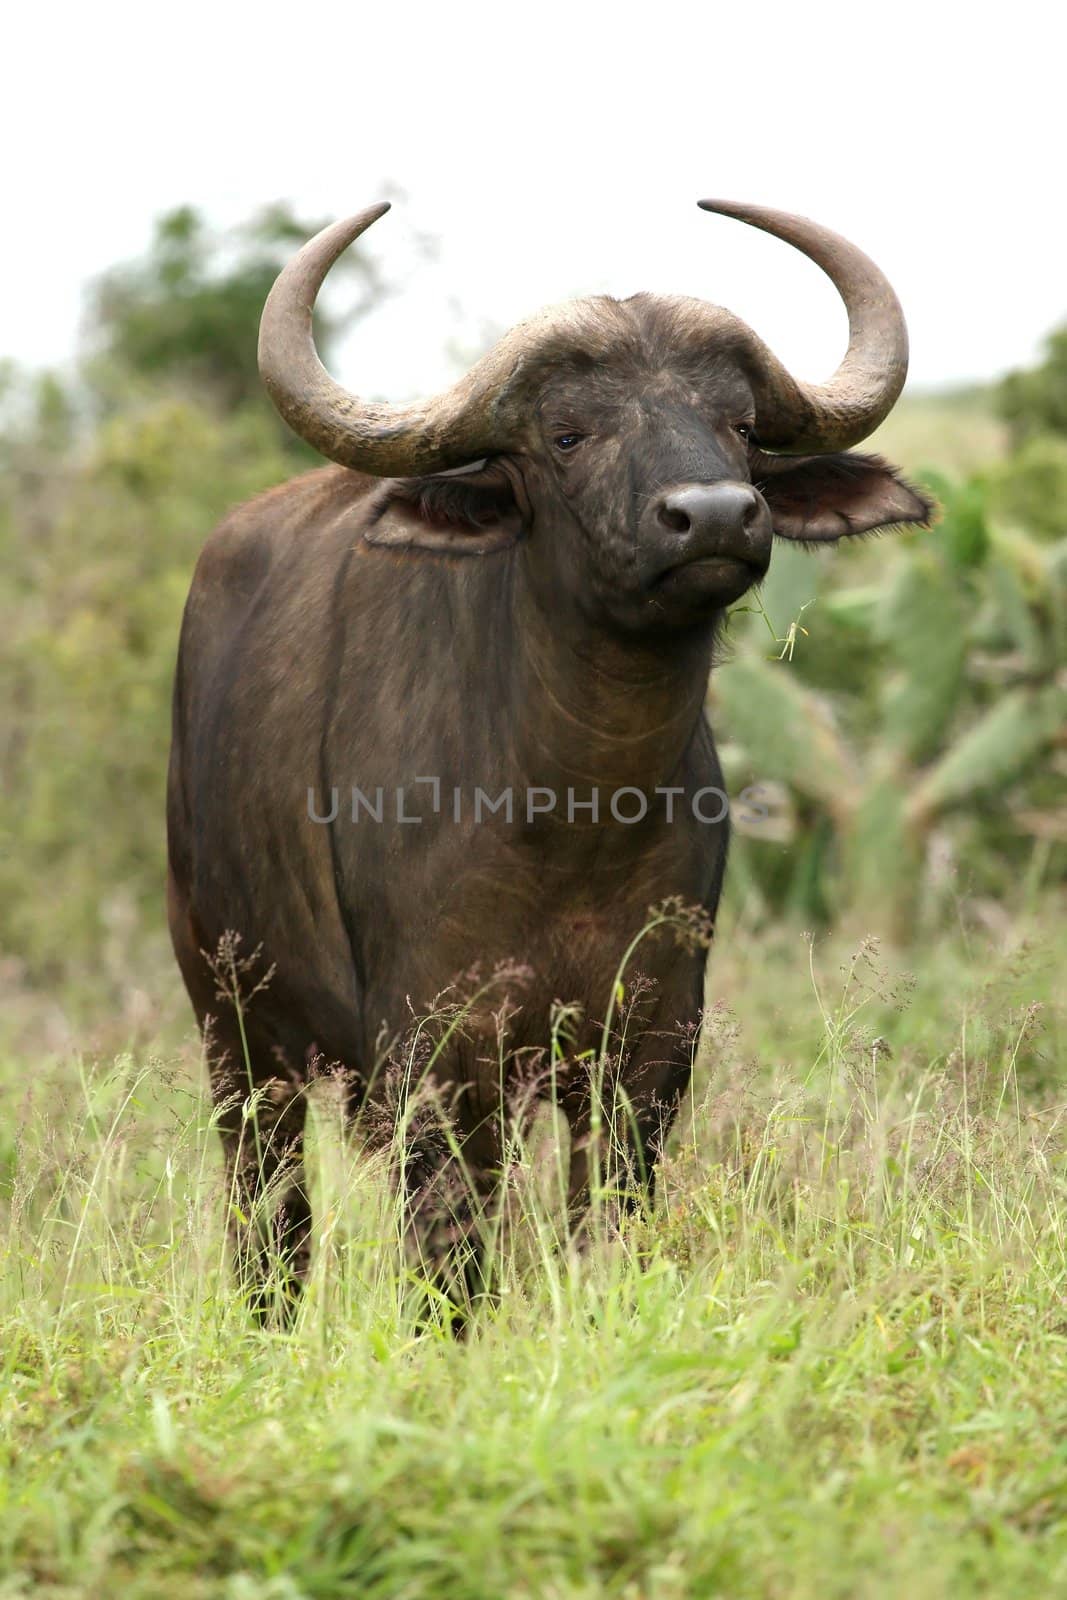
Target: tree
{"type": "Point", "coordinates": [188, 313]}
{"type": "Point", "coordinates": [1034, 401]}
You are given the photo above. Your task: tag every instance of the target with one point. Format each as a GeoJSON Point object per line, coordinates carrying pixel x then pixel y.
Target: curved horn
{"type": "Point", "coordinates": [798, 416]}
{"type": "Point", "coordinates": [386, 440]}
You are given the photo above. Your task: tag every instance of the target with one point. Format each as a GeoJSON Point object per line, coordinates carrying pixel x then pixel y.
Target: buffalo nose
{"type": "Point", "coordinates": [710, 510]}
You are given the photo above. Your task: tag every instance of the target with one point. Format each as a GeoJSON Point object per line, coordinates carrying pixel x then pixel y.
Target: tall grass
{"type": "Point", "coordinates": [829, 1360]}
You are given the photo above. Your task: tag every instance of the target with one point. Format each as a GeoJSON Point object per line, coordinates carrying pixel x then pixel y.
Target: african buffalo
{"type": "Point", "coordinates": [513, 589]}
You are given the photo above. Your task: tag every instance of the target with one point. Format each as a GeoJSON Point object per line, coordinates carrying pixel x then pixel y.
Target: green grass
{"type": "Point", "coordinates": [958, 431]}
{"type": "Point", "coordinates": [832, 1362]}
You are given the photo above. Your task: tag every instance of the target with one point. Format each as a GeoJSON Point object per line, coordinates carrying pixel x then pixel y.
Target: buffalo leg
{"type": "Point", "coordinates": [630, 1137]}
{"type": "Point", "coordinates": [267, 1200]}
{"type": "Point", "coordinates": [450, 1174]}
{"type": "Point", "coordinates": [650, 1133]}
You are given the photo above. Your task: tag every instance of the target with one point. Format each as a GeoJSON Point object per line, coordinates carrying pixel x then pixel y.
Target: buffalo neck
{"type": "Point", "coordinates": [598, 707]}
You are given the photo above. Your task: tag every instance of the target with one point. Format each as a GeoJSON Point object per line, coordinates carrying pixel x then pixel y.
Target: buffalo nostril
{"type": "Point", "coordinates": [675, 518]}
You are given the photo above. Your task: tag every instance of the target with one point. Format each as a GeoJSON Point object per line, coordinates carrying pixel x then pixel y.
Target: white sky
{"type": "Point", "coordinates": [554, 150]}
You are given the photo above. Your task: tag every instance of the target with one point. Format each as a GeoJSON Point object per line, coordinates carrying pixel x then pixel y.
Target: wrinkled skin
{"type": "Point", "coordinates": [547, 619]}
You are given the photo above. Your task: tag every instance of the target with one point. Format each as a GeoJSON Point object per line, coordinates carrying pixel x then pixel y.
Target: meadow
{"type": "Point", "coordinates": [830, 1360]}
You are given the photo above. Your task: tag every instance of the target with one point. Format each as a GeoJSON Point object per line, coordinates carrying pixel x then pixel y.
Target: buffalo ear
{"type": "Point", "coordinates": [817, 499]}
{"type": "Point", "coordinates": [470, 512]}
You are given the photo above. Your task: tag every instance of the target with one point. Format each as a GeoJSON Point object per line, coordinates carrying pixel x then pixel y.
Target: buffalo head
{"type": "Point", "coordinates": [644, 451]}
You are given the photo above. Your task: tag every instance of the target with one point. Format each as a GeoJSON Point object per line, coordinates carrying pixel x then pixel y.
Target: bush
{"type": "Point", "coordinates": [1030, 488]}
{"type": "Point", "coordinates": [96, 551]}
{"type": "Point", "coordinates": [917, 725]}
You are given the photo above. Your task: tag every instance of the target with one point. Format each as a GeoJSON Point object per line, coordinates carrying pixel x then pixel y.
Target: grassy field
{"type": "Point", "coordinates": [957, 430]}
{"type": "Point", "coordinates": [832, 1362]}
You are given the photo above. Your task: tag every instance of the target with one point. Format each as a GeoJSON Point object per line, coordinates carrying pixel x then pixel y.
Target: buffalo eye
{"type": "Point", "coordinates": [744, 429]}
{"type": "Point", "coordinates": [567, 441]}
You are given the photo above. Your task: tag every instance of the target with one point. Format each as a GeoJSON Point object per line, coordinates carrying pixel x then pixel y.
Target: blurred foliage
{"type": "Point", "coordinates": [914, 749]}
{"type": "Point", "coordinates": [96, 553]}
{"type": "Point", "coordinates": [1034, 401]}
{"type": "Point", "coordinates": [1030, 487]}
{"type": "Point", "coordinates": [111, 480]}
{"type": "Point", "coordinates": [959, 430]}
{"type": "Point", "coordinates": [189, 311]}
{"type": "Point", "coordinates": [910, 741]}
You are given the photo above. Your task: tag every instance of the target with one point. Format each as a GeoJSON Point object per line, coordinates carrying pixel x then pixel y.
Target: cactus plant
{"type": "Point", "coordinates": [949, 706]}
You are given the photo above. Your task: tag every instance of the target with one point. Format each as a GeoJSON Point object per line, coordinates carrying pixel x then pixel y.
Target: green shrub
{"type": "Point", "coordinates": [1030, 488]}
{"type": "Point", "coordinates": [913, 733]}
{"type": "Point", "coordinates": [97, 554]}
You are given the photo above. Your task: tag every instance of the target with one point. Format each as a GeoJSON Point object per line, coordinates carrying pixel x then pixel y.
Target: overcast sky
{"type": "Point", "coordinates": [557, 150]}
